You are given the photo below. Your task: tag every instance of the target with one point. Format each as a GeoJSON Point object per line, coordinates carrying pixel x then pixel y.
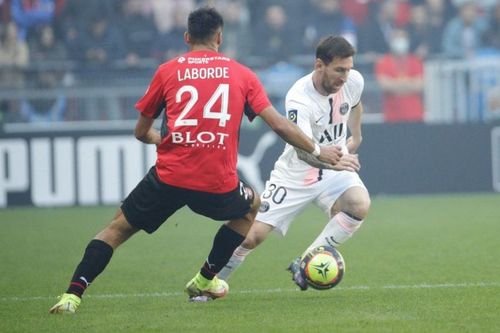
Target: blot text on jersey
{"type": "Point", "coordinates": [201, 137]}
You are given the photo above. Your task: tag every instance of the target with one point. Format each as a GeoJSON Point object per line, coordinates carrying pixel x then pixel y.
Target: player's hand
{"type": "Point", "coordinates": [348, 162]}
{"type": "Point", "coordinates": [330, 154]}
{"type": "Point", "coordinates": [353, 144]}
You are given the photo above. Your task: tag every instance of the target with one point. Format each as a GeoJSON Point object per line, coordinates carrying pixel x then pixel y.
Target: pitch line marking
{"type": "Point", "coordinates": [265, 291]}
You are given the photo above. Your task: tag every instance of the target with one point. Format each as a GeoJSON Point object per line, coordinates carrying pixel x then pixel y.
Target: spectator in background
{"type": "Point", "coordinates": [403, 12]}
{"type": "Point", "coordinates": [102, 47]}
{"type": "Point", "coordinates": [14, 56]}
{"type": "Point", "coordinates": [80, 12]}
{"type": "Point", "coordinates": [491, 36]}
{"type": "Point", "coordinates": [420, 34]}
{"type": "Point", "coordinates": [138, 29]}
{"type": "Point", "coordinates": [400, 76]}
{"type": "Point", "coordinates": [493, 100]}
{"type": "Point", "coordinates": [462, 34]}
{"type": "Point", "coordinates": [171, 43]}
{"type": "Point", "coordinates": [326, 17]}
{"type": "Point", "coordinates": [4, 11]}
{"type": "Point", "coordinates": [486, 5]}
{"type": "Point", "coordinates": [357, 10]}
{"type": "Point", "coordinates": [294, 9]}
{"type": "Point", "coordinates": [70, 26]}
{"type": "Point", "coordinates": [44, 109]}
{"type": "Point", "coordinates": [437, 13]}
{"type": "Point", "coordinates": [373, 36]}
{"type": "Point", "coordinates": [75, 18]}
{"type": "Point", "coordinates": [72, 37]}
{"type": "Point", "coordinates": [31, 13]}
{"type": "Point", "coordinates": [102, 43]}
{"type": "Point", "coordinates": [237, 37]}
{"type": "Point", "coordinates": [45, 47]}
{"type": "Point", "coordinates": [163, 11]}
{"type": "Point", "coordinates": [277, 42]}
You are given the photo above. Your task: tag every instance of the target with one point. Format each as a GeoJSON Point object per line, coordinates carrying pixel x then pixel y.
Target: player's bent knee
{"type": "Point", "coordinates": [363, 206]}
{"type": "Point", "coordinates": [355, 201]}
{"type": "Point", "coordinates": [253, 240]}
{"type": "Point", "coordinates": [359, 208]}
{"type": "Point", "coordinates": [249, 243]}
{"type": "Point", "coordinates": [117, 232]}
{"type": "Point", "coordinates": [122, 226]}
{"type": "Point", "coordinates": [257, 234]}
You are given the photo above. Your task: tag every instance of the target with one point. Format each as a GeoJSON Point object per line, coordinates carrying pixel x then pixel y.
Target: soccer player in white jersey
{"type": "Point", "coordinates": [324, 104]}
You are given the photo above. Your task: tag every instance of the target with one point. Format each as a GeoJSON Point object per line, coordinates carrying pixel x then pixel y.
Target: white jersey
{"type": "Point", "coordinates": [322, 118]}
{"type": "Point", "coordinates": [294, 183]}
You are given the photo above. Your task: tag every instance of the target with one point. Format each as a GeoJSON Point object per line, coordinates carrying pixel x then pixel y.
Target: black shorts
{"type": "Point", "coordinates": [152, 202]}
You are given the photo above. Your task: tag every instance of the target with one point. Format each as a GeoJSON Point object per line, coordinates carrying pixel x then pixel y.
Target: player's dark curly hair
{"type": "Point", "coordinates": [203, 23]}
{"type": "Point", "coordinates": [332, 47]}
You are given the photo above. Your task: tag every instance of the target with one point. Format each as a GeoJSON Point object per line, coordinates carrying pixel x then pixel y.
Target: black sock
{"type": "Point", "coordinates": [96, 257]}
{"type": "Point", "coordinates": [225, 242]}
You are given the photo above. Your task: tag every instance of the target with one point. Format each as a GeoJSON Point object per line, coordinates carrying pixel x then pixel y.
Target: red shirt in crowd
{"type": "Point", "coordinates": [402, 106]}
{"type": "Point", "coordinates": [204, 95]}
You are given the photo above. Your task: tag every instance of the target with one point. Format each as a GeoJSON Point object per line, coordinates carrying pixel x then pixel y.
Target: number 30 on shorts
{"type": "Point", "coordinates": [276, 193]}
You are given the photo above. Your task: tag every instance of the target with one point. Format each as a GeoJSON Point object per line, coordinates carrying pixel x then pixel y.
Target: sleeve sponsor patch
{"type": "Point", "coordinates": [292, 115]}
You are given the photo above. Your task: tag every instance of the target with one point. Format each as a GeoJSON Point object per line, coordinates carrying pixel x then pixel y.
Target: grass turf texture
{"type": "Point", "coordinates": [419, 264]}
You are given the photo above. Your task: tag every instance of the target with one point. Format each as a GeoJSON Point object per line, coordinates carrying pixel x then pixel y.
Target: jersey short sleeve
{"type": "Point", "coordinates": [356, 85]}
{"type": "Point", "coordinates": [256, 99]}
{"type": "Point", "coordinates": [299, 113]}
{"type": "Point", "coordinates": [153, 102]}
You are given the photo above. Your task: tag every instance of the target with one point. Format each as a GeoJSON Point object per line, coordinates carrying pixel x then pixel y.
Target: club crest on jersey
{"type": "Point", "coordinates": [292, 115]}
{"type": "Point", "coordinates": [264, 207]}
{"type": "Point", "coordinates": [344, 108]}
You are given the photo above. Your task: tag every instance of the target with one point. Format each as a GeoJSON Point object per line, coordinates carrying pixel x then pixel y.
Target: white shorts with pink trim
{"type": "Point", "coordinates": [282, 201]}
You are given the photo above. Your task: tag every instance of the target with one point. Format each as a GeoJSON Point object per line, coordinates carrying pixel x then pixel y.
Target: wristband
{"type": "Point", "coordinates": [317, 150]}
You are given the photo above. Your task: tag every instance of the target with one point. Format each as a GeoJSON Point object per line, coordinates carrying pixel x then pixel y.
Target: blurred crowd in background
{"type": "Point", "coordinates": [50, 44]}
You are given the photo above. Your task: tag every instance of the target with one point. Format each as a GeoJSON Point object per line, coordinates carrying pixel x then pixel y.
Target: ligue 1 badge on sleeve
{"type": "Point", "coordinates": [292, 115]}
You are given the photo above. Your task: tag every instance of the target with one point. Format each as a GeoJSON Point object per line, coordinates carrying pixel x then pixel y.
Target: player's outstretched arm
{"type": "Point", "coordinates": [293, 135]}
{"type": "Point", "coordinates": [145, 132]}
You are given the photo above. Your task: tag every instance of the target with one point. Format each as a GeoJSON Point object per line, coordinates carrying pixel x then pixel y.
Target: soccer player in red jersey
{"type": "Point", "coordinates": [204, 95]}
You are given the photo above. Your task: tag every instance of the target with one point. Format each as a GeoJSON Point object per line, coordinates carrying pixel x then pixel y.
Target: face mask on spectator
{"type": "Point", "coordinates": [400, 46]}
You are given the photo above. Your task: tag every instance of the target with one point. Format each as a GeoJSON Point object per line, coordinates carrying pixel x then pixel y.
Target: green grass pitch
{"type": "Point", "coordinates": [419, 264]}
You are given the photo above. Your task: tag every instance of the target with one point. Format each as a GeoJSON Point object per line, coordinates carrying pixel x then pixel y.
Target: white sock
{"type": "Point", "coordinates": [340, 228]}
{"type": "Point", "coordinates": [234, 262]}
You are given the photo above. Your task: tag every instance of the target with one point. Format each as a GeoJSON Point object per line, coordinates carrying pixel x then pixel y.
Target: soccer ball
{"type": "Point", "coordinates": [323, 267]}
